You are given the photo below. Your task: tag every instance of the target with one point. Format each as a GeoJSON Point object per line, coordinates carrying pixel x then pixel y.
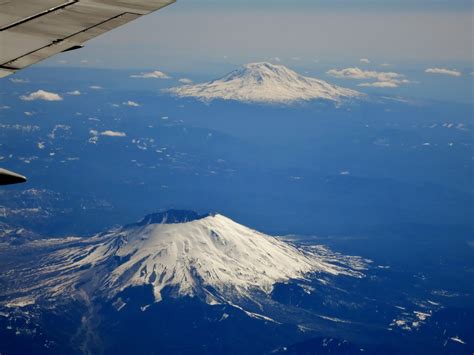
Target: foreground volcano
{"type": "Point", "coordinates": [181, 282]}
{"type": "Point", "coordinates": [209, 257]}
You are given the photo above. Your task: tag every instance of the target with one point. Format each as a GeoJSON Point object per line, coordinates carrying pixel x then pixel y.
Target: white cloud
{"type": "Point", "coordinates": [41, 95]}
{"type": "Point", "coordinates": [131, 103]}
{"type": "Point", "coordinates": [151, 75]}
{"type": "Point", "coordinates": [365, 60]}
{"type": "Point", "coordinates": [451, 72]}
{"type": "Point", "coordinates": [109, 133]}
{"type": "Point", "coordinates": [357, 73]}
{"type": "Point", "coordinates": [185, 81]}
{"type": "Point", "coordinates": [95, 87]}
{"type": "Point", "coordinates": [58, 128]}
{"type": "Point", "coordinates": [380, 84]}
{"type": "Point", "coordinates": [28, 113]}
{"type": "Point", "coordinates": [74, 93]}
{"type": "Point", "coordinates": [19, 81]}
{"type": "Point", "coordinates": [4, 107]}
{"type": "Point", "coordinates": [382, 79]}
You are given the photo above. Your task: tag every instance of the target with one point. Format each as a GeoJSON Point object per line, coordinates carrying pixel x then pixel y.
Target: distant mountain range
{"type": "Point", "coordinates": [266, 83]}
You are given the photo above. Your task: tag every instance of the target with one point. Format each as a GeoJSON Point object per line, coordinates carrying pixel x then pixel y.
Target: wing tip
{"type": "Point", "coordinates": [8, 177]}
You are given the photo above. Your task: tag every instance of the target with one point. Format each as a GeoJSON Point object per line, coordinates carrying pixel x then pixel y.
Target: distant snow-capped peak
{"type": "Point", "coordinates": [209, 257]}
{"type": "Point", "coordinates": [266, 83]}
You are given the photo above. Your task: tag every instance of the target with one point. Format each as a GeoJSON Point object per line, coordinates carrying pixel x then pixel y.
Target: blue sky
{"type": "Point", "coordinates": [354, 4]}
{"type": "Point", "coordinates": [338, 30]}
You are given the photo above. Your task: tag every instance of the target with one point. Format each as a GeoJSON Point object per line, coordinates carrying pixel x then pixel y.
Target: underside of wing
{"type": "Point", "coordinates": [8, 177]}
{"type": "Point", "coordinates": [33, 30]}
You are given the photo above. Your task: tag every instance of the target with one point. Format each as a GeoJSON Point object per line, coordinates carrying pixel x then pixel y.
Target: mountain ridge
{"type": "Point", "coordinates": [169, 217]}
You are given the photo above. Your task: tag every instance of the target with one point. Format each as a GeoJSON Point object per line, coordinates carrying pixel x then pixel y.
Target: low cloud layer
{"type": "Point", "coordinates": [443, 71]}
{"type": "Point", "coordinates": [382, 79]}
{"type": "Point", "coordinates": [41, 95]}
{"type": "Point", "coordinates": [151, 75]}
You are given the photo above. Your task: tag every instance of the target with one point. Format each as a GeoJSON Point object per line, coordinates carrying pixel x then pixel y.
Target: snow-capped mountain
{"type": "Point", "coordinates": [209, 257]}
{"type": "Point", "coordinates": [266, 83]}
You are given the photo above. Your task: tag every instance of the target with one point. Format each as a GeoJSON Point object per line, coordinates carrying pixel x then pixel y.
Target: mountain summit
{"type": "Point", "coordinates": [266, 83]}
{"type": "Point", "coordinates": [181, 253]}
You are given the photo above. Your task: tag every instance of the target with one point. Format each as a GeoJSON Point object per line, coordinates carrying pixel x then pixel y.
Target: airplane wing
{"type": "Point", "coordinates": [33, 30]}
{"type": "Point", "coordinates": [8, 177]}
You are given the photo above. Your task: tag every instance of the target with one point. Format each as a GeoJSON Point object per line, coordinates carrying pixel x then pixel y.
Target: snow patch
{"type": "Point", "coordinates": [458, 340]}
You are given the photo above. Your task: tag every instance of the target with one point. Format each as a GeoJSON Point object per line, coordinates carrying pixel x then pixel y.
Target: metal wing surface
{"type": "Point", "coordinates": [33, 30]}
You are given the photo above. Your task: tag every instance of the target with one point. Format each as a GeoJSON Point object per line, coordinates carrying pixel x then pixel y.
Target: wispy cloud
{"type": "Point", "coordinates": [443, 71]}
{"type": "Point", "coordinates": [131, 103]}
{"type": "Point", "coordinates": [58, 128]}
{"type": "Point", "coordinates": [108, 133]}
{"type": "Point", "coordinates": [382, 79]}
{"type": "Point", "coordinates": [74, 93]}
{"type": "Point", "coordinates": [151, 75]}
{"type": "Point", "coordinates": [41, 95]}
{"type": "Point", "coordinates": [185, 81]}
{"type": "Point", "coordinates": [95, 87]}
{"type": "Point", "coordinates": [380, 84]}
{"type": "Point", "coordinates": [357, 73]}
{"type": "Point", "coordinates": [365, 60]}
{"type": "Point", "coordinates": [19, 81]}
